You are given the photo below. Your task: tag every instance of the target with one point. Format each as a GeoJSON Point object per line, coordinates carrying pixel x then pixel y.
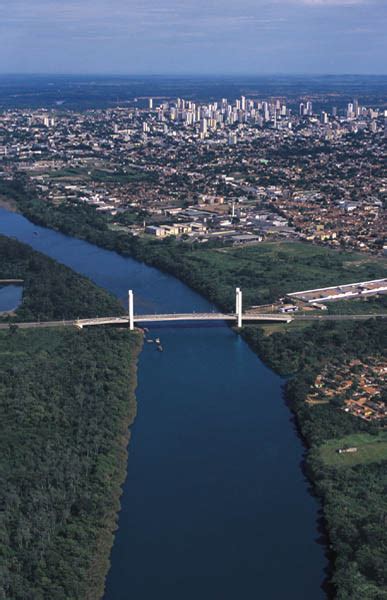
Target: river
{"type": "Point", "coordinates": [215, 505]}
{"type": "Point", "coordinates": [10, 297]}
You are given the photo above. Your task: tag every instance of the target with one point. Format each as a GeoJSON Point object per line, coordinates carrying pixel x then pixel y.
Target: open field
{"type": "Point", "coordinates": [129, 175]}
{"type": "Point", "coordinates": [367, 306]}
{"type": "Point", "coordinates": [270, 270]}
{"type": "Point", "coordinates": [271, 328]}
{"type": "Point", "coordinates": [370, 448]}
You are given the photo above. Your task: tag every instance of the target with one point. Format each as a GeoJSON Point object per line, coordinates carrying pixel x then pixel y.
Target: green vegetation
{"type": "Point", "coordinates": [129, 175]}
{"type": "Point", "coordinates": [367, 306]}
{"type": "Point", "coordinates": [66, 401]}
{"type": "Point", "coordinates": [51, 290]}
{"type": "Point", "coordinates": [354, 498]}
{"type": "Point", "coordinates": [264, 272]}
{"type": "Point", "coordinates": [370, 448]}
{"type": "Point", "coordinates": [355, 508]}
{"type": "Point", "coordinates": [352, 486]}
{"type": "Point", "coordinates": [307, 349]}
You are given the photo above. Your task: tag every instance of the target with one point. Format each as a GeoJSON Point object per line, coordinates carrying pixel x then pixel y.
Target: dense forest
{"type": "Point", "coordinates": [355, 497]}
{"type": "Point", "coordinates": [265, 272]}
{"type": "Point", "coordinates": [51, 290]}
{"type": "Point", "coordinates": [66, 401]}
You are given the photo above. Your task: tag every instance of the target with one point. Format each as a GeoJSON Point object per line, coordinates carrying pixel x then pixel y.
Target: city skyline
{"type": "Point", "coordinates": [253, 37]}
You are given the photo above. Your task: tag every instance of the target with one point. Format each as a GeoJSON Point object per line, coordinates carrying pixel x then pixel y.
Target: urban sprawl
{"type": "Point", "coordinates": [224, 173]}
{"type": "Point", "coordinates": [235, 172]}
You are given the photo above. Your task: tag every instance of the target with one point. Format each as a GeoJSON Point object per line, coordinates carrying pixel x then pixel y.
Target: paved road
{"type": "Point", "coordinates": [40, 324]}
{"type": "Point", "coordinates": [328, 317]}
{"type": "Point", "coordinates": [10, 281]}
{"type": "Point", "coordinates": [196, 317]}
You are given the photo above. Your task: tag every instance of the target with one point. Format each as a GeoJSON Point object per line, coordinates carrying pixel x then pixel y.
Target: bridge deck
{"type": "Point", "coordinates": [80, 323]}
{"type": "Point", "coordinates": [175, 317]}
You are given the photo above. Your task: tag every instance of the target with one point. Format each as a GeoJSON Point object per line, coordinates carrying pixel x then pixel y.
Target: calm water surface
{"type": "Point", "coordinates": [215, 506]}
{"type": "Point", "coordinates": [10, 297]}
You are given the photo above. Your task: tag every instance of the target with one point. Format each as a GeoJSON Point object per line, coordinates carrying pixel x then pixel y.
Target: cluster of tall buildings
{"type": "Point", "coordinates": [220, 114]}
{"type": "Point", "coordinates": [206, 118]}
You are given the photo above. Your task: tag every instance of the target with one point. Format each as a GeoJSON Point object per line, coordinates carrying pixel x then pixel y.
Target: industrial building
{"type": "Point", "coordinates": [342, 292]}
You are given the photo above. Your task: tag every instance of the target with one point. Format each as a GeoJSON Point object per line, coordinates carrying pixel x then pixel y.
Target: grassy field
{"type": "Point", "coordinates": [367, 306]}
{"type": "Point", "coordinates": [101, 175]}
{"type": "Point", "coordinates": [270, 328]}
{"type": "Point", "coordinates": [370, 448]}
{"type": "Point", "coordinates": [270, 270]}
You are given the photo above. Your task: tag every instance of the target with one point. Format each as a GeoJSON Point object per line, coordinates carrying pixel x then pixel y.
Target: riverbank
{"type": "Point", "coordinates": [8, 204]}
{"type": "Point", "coordinates": [67, 403]}
{"type": "Point", "coordinates": [51, 291]}
{"type": "Point", "coordinates": [358, 557]}
{"type": "Point", "coordinates": [265, 272]}
{"type": "Point", "coordinates": [292, 355]}
{"type": "Point", "coordinates": [211, 432]}
{"type": "Point", "coordinates": [64, 453]}
{"type": "Point", "coordinates": [100, 563]}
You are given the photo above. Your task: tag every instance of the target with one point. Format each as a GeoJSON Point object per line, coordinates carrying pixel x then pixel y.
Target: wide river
{"type": "Point", "coordinates": [215, 506]}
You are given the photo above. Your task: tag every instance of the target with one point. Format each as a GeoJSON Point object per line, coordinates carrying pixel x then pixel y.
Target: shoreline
{"type": "Point", "coordinates": [93, 578]}
{"type": "Point", "coordinates": [101, 563]}
{"type": "Point", "coordinates": [320, 519]}
{"type": "Point", "coordinates": [8, 205]}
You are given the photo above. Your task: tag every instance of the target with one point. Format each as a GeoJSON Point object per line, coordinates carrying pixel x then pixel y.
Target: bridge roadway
{"type": "Point", "coordinates": [164, 318]}
{"type": "Point", "coordinates": [175, 317]}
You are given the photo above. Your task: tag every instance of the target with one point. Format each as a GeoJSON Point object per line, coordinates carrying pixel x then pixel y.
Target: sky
{"type": "Point", "coordinates": [193, 36]}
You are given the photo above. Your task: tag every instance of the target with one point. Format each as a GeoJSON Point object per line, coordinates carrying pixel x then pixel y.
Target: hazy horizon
{"type": "Point", "coordinates": [196, 37]}
{"type": "Point", "coordinates": [187, 75]}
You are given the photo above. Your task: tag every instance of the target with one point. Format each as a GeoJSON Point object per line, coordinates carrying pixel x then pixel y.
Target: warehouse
{"type": "Point", "coordinates": [342, 292]}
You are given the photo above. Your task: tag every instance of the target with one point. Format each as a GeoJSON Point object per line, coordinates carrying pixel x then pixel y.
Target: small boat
{"type": "Point", "coordinates": [157, 340]}
{"type": "Point", "coordinates": [150, 341]}
{"type": "Point", "coordinates": [160, 348]}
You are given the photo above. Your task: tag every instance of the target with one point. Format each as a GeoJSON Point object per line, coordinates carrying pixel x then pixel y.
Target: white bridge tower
{"type": "Point", "coordinates": [238, 307]}
{"type": "Point", "coordinates": [131, 310]}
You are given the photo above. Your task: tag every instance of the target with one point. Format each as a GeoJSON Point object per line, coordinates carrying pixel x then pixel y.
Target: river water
{"type": "Point", "coordinates": [215, 506]}
{"type": "Point", "coordinates": [10, 297]}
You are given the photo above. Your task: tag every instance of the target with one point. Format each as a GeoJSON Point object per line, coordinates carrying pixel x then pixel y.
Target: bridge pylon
{"type": "Point", "coordinates": [131, 310]}
{"type": "Point", "coordinates": [238, 307]}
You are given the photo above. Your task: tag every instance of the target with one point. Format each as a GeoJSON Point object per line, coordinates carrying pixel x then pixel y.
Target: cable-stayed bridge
{"type": "Point", "coordinates": [239, 317]}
